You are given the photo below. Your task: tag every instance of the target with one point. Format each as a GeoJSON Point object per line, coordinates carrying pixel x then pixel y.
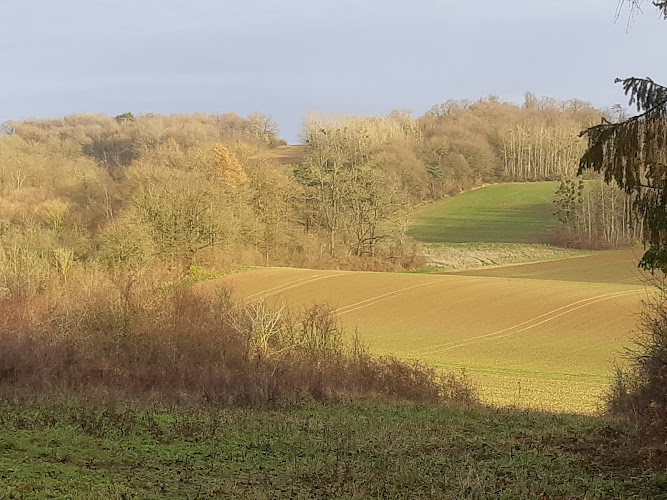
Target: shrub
{"type": "Point", "coordinates": [130, 337]}
{"type": "Point", "coordinates": [640, 391]}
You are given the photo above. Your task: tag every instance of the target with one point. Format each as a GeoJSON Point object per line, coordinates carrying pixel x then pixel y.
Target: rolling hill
{"type": "Point", "coordinates": [530, 342]}
{"type": "Point", "coordinates": [501, 213]}
{"type": "Point", "coordinates": [541, 335]}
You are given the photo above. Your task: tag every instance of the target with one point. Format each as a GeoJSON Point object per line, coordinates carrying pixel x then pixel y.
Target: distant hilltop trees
{"type": "Point", "coordinates": [215, 190]}
{"type": "Point", "coordinates": [116, 142]}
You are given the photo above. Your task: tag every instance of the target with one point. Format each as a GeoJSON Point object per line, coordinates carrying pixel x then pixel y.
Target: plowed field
{"type": "Point", "coordinates": [530, 342]}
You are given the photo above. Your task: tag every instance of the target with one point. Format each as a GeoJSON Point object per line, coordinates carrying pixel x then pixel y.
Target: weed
{"type": "Point", "coordinates": [351, 450]}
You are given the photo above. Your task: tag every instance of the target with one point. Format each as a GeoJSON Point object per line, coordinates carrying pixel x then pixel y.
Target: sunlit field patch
{"type": "Point", "coordinates": [540, 343]}
{"type": "Point", "coordinates": [502, 213]}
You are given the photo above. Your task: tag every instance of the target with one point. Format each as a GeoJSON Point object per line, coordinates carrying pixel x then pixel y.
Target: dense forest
{"type": "Point", "coordinates": [129, 192]}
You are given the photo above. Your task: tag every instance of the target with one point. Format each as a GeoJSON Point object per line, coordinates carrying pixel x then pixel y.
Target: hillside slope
{"type": "Point", "coordinates": [542, 335]}
{"type": "Point", "coordinates": [530, 342]}
{"type": "Point", "coordinates": [501, 213]}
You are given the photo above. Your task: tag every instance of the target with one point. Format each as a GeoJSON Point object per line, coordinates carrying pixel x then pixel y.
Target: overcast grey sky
{"type": "Point", "coordinates": [288, 57]}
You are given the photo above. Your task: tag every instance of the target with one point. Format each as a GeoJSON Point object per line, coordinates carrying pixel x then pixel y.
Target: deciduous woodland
{"type": "Point", "coordinates": [208, 190]}
{"type": "Point", "coordinates": [104, 219]}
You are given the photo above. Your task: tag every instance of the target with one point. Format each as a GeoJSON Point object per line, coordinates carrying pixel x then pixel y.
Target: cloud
{"type": "Point", "coordinates": [286, 58]}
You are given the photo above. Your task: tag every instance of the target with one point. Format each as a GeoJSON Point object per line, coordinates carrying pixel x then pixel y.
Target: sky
{"type": "Point", "coordinates": [286, 58]}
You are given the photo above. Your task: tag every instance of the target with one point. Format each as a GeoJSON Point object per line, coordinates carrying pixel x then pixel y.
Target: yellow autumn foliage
{"type": "Point", "coordinates": [228, 166]}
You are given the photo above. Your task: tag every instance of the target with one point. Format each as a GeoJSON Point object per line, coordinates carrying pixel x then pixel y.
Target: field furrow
{"type": "Point", "coordinates": [540, 343]}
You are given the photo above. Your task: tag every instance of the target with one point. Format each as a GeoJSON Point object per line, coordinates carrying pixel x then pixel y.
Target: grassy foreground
{"type": "Point", "coordinates": [345, 450]}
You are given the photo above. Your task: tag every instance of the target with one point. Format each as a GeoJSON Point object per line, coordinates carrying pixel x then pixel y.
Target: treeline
{"type": "Point", "coordinates": [183, 199]}
{"type": "Point", "coordinates": [116, 142]}
{"type": "Point", "coordinates": [494, 141]}
{"type": "Point", "coordinates": [461, 144]}
{"type": "Point", "coordinates": [126, 192]}
{"type": "Point", "coordinates": [594, 214]}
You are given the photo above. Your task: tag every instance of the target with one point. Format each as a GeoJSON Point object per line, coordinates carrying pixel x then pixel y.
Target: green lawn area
{"type": "Point", "coordinates": [344, 450]}
{"type": "Point", "coordinates": [501, 213]}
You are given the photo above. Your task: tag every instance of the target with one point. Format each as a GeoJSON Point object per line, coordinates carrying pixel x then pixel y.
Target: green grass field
{"type": "Point", "coordinates": [342, 450]}
{"type": "Point", "coordinates": [501, 213]}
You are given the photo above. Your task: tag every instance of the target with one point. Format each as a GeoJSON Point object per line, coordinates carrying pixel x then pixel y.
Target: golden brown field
{"type": "Point", "coordinates": [287, 155]}
{"type": "Point", "coordinates": [530, 336]}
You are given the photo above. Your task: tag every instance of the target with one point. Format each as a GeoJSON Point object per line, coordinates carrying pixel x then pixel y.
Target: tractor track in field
{"type": "Point", "coordinates": [389, 295]}
{"type": "Point", "coordinates": [515, 329]}
{"type": "Point", "coordinates": [380, 298]}
{"type": "Point", "coordinates": [276, 290]}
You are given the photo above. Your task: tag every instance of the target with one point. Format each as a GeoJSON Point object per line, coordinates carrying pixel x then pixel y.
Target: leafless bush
{"type": "Point", "coordinates": [121, 335]}
{"type": "Point", "coordinates": [640, 391]}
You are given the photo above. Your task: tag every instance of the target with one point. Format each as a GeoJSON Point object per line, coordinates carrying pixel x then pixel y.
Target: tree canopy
{"type": "Point", "coordinates": [633, 152]}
